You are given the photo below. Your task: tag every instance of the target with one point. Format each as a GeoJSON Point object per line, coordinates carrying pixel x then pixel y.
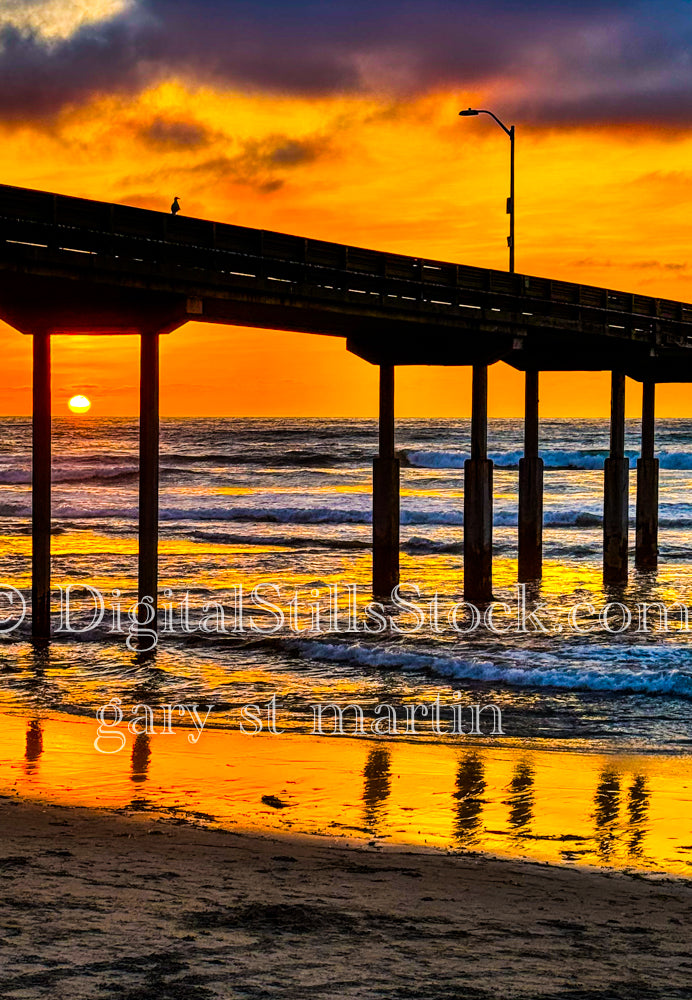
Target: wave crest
{"type": "Point", "coordinates": [583, 459]}
{"type": "Point", "coordinates": [591, 675]}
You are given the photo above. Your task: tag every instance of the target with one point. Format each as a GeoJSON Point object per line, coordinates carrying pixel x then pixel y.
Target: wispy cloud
{"type": "Point", "coordinates": [640, 265]}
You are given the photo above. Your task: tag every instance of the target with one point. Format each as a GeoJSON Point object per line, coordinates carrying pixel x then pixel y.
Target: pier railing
{"type": "Point", "coordinates": [223, 255]}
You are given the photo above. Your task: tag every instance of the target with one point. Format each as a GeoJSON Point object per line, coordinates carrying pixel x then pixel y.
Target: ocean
{"type": "Point", "coordinates": [285, 504]}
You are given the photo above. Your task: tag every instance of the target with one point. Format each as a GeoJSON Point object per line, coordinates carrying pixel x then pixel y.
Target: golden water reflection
{"type": "Point", "coordinates": [616, 810]}
{"type": "Point", "coordinates": [521, 801]}
{"type": "Point", "coordinates": [376, 787]}
{"type": "Point", "coordinates": [470, 786]}
{"type": "Point", "coordinates": [34, 746]}
{"type": "Point", "coordinates": [141, 752]}
{"type": "Point", "coordinates": [607, 811]}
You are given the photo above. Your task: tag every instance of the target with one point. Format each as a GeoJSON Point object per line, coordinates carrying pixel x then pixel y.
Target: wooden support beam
{"type": "Point", "coordinates": [148, 473]}
{"type": "Point", "coordinates": [479, 412]}
{"type": "Point", "coordinates": [386, 421]}
{"type": "Point", "coordinates": [646, 546]}
{"type": "Point", "coordinates": [648, 419]}
{"type": "Point", "coordinates": [478, 498]}
{"type": "Point", "coordinates": [616, 491]}
{"type": "Point", "coordinates": [530, 489]}
{"type": "Point", "coordinates": [41, 488]}
{"type": "Point", "coordinates": [385, 481]}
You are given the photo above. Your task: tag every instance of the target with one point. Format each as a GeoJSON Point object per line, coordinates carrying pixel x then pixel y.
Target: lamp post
{"type": "Point", "coordinates": [471, 112]}
{"type": "Point", "coordinates": [530, 548]}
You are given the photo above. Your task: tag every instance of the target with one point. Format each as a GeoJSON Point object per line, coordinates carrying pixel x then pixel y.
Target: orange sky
{"type": "Point", "coordinates": [607, 206]}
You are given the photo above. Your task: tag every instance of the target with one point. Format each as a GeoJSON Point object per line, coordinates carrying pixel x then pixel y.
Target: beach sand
{"type": "Point", "coordinates": [96, 904]}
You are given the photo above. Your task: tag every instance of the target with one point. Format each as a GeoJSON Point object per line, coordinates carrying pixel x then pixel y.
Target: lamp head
{"type": "Point", "coordinates": [468, 113]}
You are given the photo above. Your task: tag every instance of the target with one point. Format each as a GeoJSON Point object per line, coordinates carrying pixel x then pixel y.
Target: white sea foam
{"type": "Point", "coordinates": [598, 669]}
{"type": "Point", "coordinates": [582, 459]}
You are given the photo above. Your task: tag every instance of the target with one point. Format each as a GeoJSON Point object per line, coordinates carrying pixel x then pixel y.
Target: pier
{"type": "Point", "coordinates": [73, 266]}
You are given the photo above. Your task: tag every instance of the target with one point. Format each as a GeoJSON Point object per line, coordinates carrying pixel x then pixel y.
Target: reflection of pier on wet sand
{"type": "Point", "coordinates": [633, 811]}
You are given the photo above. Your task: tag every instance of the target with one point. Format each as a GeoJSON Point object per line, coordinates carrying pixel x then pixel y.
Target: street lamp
{"type": "Point", "coordinates": [470, 113]}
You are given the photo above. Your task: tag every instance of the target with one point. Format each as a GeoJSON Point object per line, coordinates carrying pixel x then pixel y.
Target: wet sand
{"type": "Point", "coordinates": [96, 904]}
{"type": "Point", "coordinates": [296, 866]}
{"type": "Point", "coordinates": [515, 799]}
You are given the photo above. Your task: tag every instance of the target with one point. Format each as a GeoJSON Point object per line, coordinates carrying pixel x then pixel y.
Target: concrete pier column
{"type": "Point", "coordinates": [531, 490]}
{"type": "Point", "coordinates": [646, 551]}
{"type": "Point", "coordinates": [41, 488]}
{"type": "Point", "coordinates": [148, 471]}
{"type": "Point", "coordinates": [478, 498]}
{"type": "Point", "coordinates": [385, 495]}
{"type": "Point", "coordinates": [616, 490]}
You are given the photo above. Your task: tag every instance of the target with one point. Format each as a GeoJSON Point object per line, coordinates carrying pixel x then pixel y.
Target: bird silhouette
{"type": "Point", "coordinates": [175, 207]}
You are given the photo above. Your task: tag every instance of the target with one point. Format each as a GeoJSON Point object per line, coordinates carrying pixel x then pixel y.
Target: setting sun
{"type": "Point", "coordinates": [79, 404]}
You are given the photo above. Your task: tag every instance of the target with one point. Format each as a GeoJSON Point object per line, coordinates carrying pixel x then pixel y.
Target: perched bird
{"type": "Point", "coordinates": [175, 207]}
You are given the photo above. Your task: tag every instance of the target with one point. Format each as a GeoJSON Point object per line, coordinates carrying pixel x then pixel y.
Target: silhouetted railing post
{"type": "Point", "coordinates": [41, 488]}
{"type": "Point", "coordinates": [478, 498]}
{"type": "Point", "coordinates": [531, 489]}
{"type": "Point", "coordinates": [616, 490]}
{"type": "Point", "coordinates": [149, 470]}
{"type": "Point", "coordinates": [385, 495]}
{"type": "Point", "coordinates": [646, 550]}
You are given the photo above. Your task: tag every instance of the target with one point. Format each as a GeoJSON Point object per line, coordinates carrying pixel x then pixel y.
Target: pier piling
{"type": "Point", "coordinates": [41, 487]}
{"type": "Point", "coordinates": [616, 490]}
{"type": "Point", "coordinates": [148, 471]}
{"type": "Point", "coordinates": [646, 549]}
{"type": "Point", "coordinates": [385, 495]}
{"type": "Point", "coordinates": [478, 498]}
{"type": "Point", "coordinates": [531, 490]}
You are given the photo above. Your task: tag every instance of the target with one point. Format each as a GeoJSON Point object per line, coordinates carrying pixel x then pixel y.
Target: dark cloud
{"type": "Point", "coordinates": [570, 61]}
{"type": "Point", "coordinates": [176, 135]}
{"type": "Point", "coordinates": [260, 164]}
{"type": "Point", "coordinates": [292, 152]}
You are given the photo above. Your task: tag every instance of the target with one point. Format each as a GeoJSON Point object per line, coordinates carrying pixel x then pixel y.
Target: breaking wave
{"type": "Point", "coordinates": [552, 459]}
{"type": "Point", "coordinates": [594, 670]}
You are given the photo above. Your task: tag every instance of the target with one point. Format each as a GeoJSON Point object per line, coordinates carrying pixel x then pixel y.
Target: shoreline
{"type": "Point", "coordinates": [616, 811]}
{"type": "Point", "coordinates": [162, 909]}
